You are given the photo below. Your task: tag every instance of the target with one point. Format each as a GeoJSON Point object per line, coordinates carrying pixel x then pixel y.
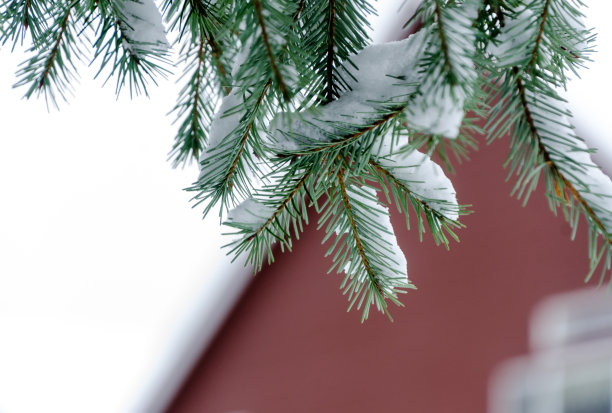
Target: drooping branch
{"type": "Point", "coordinates": [400, 184]}
{"type": "Point", "coordinates": [54, 50]}
{"type": "Point", "coordinates": [266, 42]}
{"type": "Point", "coordinates": [243, 141]}
{"type": "Point", "coordinates": [329, 68]}
{"type": "Point", "coordinates": [538, 41]}
{"type": "Point", "coordinates": [355, 135]}
{"type": "Point", "coordinates": [355, 234]}
{"type": "Point", "coordinates": [444, 43]}
{"type": "Point", "coordinates": [550, 163]}
{"type": "Point", "coordinates": [201, 12]}
{"type": "Point", "coordinates": [281, 207]}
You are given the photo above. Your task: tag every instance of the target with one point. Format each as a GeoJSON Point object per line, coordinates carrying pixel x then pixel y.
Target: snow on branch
{"type": "Point", "coordinates": [312, 115]}
{"type": "Point", "coordinates": [365, 247]}
{"type": "Point", "coordinates": [384, 76]}
{"type": "Point", "coordinates": [141, 25]}
{"type": "Point", "coordinates": [279, 208]}
{"type": "Point", "coordinates": [419, 175]}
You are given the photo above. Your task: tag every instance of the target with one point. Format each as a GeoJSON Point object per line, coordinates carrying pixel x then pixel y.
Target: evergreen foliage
{"type": "Point", "coordinates": [285, 104]}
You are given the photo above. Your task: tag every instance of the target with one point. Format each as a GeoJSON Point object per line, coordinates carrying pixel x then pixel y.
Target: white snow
{"type": "Point", "coordinates": [250, 214]}
{"type": "Point", "coordinates": [460, 36]}
{"type": "Point", "coordinates": [439, 108]}
{"type": "Point", "coordinates": [385, 73]}
{"type": "Point", "coordinates": [226, 120]}
{"type": "Point", "coordinates": [516, 32]}
{"type": "Point", "coordinates": [141, 26]}
{"type": "Point", "coordinates": [422, 176]}
{"type": "Point", "coordinates": [365, 205]}
{"type": "Point", "coordinates": [437, 112]}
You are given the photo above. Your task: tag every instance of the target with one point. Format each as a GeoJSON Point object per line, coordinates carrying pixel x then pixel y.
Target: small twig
{"type": "Point", "coordinates": [55, 49]}
{"type": "Point", "coordinates": [245, 136]}
{"type": "Point", "coordinates": [444, 44]}
{"type": "Point", "coordinates": [329, 67]}
{"type": "Point", "coordinates": [355, 233]}
{"type": "Point", "coordinates": [554, 169]}
{"type": "Point", "coordinates": [534, 54]}
{"type": "Point", "coordinates": [266, 41]}
{"type": "Point", "coordinates": [281, 207]}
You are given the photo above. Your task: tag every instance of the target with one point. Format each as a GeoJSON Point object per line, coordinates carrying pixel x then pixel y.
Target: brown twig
{"type": "Point", "coordinates": [54, 50]}
{"type": "Point", "coordinates": [355, 233]}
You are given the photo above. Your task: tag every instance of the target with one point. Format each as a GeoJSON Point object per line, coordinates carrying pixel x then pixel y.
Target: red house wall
{"type": "Point", "coordinates": [290, 345]}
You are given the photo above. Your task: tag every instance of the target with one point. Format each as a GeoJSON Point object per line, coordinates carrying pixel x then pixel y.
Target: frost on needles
{"type": "Point", "coordinates": [288, 108]}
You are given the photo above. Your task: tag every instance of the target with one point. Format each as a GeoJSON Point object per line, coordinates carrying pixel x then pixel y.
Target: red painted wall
{"type": "Point", "coordinates": [290, 346]}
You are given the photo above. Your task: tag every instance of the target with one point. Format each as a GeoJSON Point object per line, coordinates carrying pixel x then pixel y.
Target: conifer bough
{"type": "Point", "coordinates": [285, 105]}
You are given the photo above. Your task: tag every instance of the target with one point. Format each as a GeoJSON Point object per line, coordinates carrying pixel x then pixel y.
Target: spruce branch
{"type": "Point", "coordinates": [443, 43]}
{"type": "Point", "coordinates": [285, 203]}
{"type": "Point", "coordinates": [438, 222]}
{"type": "Point", "coordinates": [448, 63]}
{"type": "Point", "coordinates": [286, 105]}
{"type": "Point", "coordinates": [357, 238]}
{"type": "Point", "coordinates": [540, 34]}
{"type": "Point", "coordinates": [231, 160]}
{"type": "Point", "coordinates": [53, 71]}
{"type": "Point", "coordinates": [130, 43]}
{"type": "Point", "coordinates": [365, 248]}
{"type": "Point", "coordinates": [196, 103]}
{"type": "Point", "coordinates": [203, 23]}
{"type": "Point", "coordinates": [331, 55]}
{"type": "Point", "coordinates": [564, 173]}
{"type": "Point", "coordinates": [543, 141]}
{"type": "Point", "coordinates": [335, 31]}
{"type": "Point", "coordinates": [269, 53]}
{"type": "Point", "coordinates": [23, 17]}
{"type": "Point", "coordinates": [199, 25]}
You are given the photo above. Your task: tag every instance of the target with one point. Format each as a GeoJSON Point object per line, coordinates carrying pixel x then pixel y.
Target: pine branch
{"type": "Point", "coordinates": [329, 64]}
{"type": "Point", "coordinates": [21, 17]}
{"type": "Point", "coordinates": [438, 222]}
{"type": "Point", "coordinates": [284, 204]}
{"type": "Point", "coordinates": [335, 30]}
{"type": "Point", "coordinates": [311, 115]}
{"type": "Point", "coordinates": [538, 41]}
{"type": "Point", "coordinates": [132, 47]}
{"type": "Point", "coordinates": [52, 72]}
{"type": "Point", "coordinates": [226, 160]}
{"type": "Point", "coordinates": [266, 42]}
{"type": "Point", "coordinates": [365, 248]}
{"type": "Point", "coordinates": [199, 25]}
{"type": "Point", "coordinates": [355, 233]}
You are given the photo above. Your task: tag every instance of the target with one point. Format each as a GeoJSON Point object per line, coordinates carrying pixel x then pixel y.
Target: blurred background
{"type": "Point", "coordinates": [116, 297]}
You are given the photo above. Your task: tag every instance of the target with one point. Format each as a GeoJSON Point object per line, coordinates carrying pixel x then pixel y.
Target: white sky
{"type": "Point", "coordinates": [102, 258]}
{"type": "Point", "coordinates": [104, 266]}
